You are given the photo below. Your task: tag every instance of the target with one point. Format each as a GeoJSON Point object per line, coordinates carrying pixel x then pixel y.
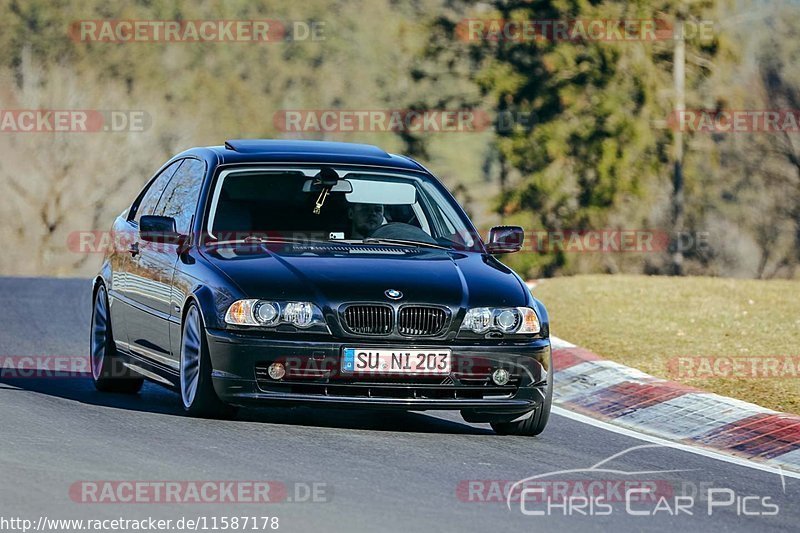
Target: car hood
{"type": "Point", "coordinates": [332, 275]}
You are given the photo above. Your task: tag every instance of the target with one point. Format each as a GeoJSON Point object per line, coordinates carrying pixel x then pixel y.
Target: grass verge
{"type": "Point", "coordinates": [739, 338]}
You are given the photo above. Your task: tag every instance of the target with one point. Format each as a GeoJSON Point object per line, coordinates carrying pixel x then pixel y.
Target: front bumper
{"type": "Point", "coordinates": [313, 376]}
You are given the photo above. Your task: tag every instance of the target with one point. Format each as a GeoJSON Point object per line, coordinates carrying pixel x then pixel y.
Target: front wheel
{"type": "Point", "coordinates": [534, 424]}
{"type": "Point", "coordinates": [108, 372]}
{"type": "Point", "coordinates": [197, 391]}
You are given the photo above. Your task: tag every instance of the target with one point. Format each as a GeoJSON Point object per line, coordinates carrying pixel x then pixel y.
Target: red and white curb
{"type": "Point", "coordinates": [586, 383]}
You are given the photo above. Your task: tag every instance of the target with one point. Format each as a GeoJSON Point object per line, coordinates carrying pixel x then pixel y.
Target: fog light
{"type": "Point", "coordinates": [276, 371]}
{"type": "Point", "coordinates": [500, 376]}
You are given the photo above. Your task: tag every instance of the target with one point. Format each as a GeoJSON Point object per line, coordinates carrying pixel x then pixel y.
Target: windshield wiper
{"type": "Point", "coordinates": [266, 240]}
{"type": "Point", "coordinates": [401, 242]}
{"type": "Point", "coordinates": [369, 240]}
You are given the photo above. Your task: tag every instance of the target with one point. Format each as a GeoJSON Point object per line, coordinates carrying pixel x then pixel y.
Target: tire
{"type": "Point", "coordinates": [108, 372]}
{"type": "Point", "coordinates": [534, 424]}
{"type": "Point", "coordinates": [198, 396]}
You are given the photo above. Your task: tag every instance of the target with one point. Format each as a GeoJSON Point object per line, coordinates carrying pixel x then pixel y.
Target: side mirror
{"type": "Point", "coordinates": [505, 239]}
{"type": "Point", "coordinates": [154, 228]}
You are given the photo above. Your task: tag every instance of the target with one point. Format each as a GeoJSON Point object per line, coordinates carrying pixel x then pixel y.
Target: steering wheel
{"type": "Point", "coordinates": [402, 231]}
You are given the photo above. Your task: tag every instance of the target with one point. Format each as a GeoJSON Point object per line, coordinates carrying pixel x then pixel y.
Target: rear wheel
{"type": "Point", "coordinates": [197, 391]}
{"type": "Point", "coordinates": [534, 424]}
{"type": "Point", "coordinates": [108, 372]}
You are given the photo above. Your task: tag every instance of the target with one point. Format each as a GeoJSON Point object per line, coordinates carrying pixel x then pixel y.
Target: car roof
{"type": "Point", "coordinates": [303, 151]}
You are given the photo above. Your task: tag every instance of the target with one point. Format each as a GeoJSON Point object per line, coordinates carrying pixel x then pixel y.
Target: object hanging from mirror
{"type": "Point", "coordinates": [327, 179]}
{"type": "Point", "coordinates": [321, 200]}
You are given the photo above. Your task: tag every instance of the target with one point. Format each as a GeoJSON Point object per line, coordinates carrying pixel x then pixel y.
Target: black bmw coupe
{"type": "Point", "coordinates": [269, 272]}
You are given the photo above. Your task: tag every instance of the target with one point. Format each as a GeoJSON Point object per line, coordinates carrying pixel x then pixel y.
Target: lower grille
{"type": "Point", "coordinates": [386, 390]}
{"type": "Point", "coordinates": [369, 319]}
{"type": "Point", "coordinates": [323, 383]}
{"type": "Point", "coordinates": [418, 321]}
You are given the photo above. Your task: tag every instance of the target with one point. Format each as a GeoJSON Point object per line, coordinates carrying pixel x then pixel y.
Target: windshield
{"type": "Point", "coordinates": [294, 204]}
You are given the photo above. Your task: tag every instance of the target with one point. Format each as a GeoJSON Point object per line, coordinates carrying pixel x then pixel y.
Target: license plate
{"type": "Point", "coordinates": [396, 361]}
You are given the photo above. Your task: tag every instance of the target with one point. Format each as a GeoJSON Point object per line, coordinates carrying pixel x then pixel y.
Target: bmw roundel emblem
{"type": "Point", "coordinates": [393, 294]}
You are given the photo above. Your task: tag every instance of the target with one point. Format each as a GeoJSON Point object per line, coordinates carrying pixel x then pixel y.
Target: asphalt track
{"type": "Point", "coordinates": [381, 471]}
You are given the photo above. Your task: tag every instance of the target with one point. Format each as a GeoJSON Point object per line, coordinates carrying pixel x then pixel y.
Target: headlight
{"type": "Point", "coordinates": [516, 320]}
{"type": "Point", "coordinates": [299, 313]}
{"type": "Point", "coordinates": [269, 313]}
{"type": "Point", "coordinates": [266, 313]}
{"type": "Point", "coordinates": [240, 313]}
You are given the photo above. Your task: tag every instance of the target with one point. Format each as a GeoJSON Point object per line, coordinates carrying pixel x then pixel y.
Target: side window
{"type": "Point", "coordinates": [179, 200]}
{"type": "Point", "coordinates": [148, 200]}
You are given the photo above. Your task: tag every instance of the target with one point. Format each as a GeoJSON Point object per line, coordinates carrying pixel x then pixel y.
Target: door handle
{"type": "Point", "coordinates": [133, 249]}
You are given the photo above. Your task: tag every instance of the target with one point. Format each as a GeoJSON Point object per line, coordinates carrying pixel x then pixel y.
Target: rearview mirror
{"type": "Point", "coordinates": [327, 178]}
{"type": "Point", "coordinates": [315, 186]}
{"type": "Point", "coordinates": [153, 228]}
{"type": "Point", "coordinates": [505, 239]}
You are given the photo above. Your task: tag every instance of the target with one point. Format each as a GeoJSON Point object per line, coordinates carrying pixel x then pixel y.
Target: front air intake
{"type": "Point", "coordinates": [420, 321]}
{"type": "Point", "coordinates": [369, 319]}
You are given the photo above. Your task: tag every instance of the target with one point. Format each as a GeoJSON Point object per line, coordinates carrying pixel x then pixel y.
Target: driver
{"type": "Point", "coordinates": [364, 219]}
